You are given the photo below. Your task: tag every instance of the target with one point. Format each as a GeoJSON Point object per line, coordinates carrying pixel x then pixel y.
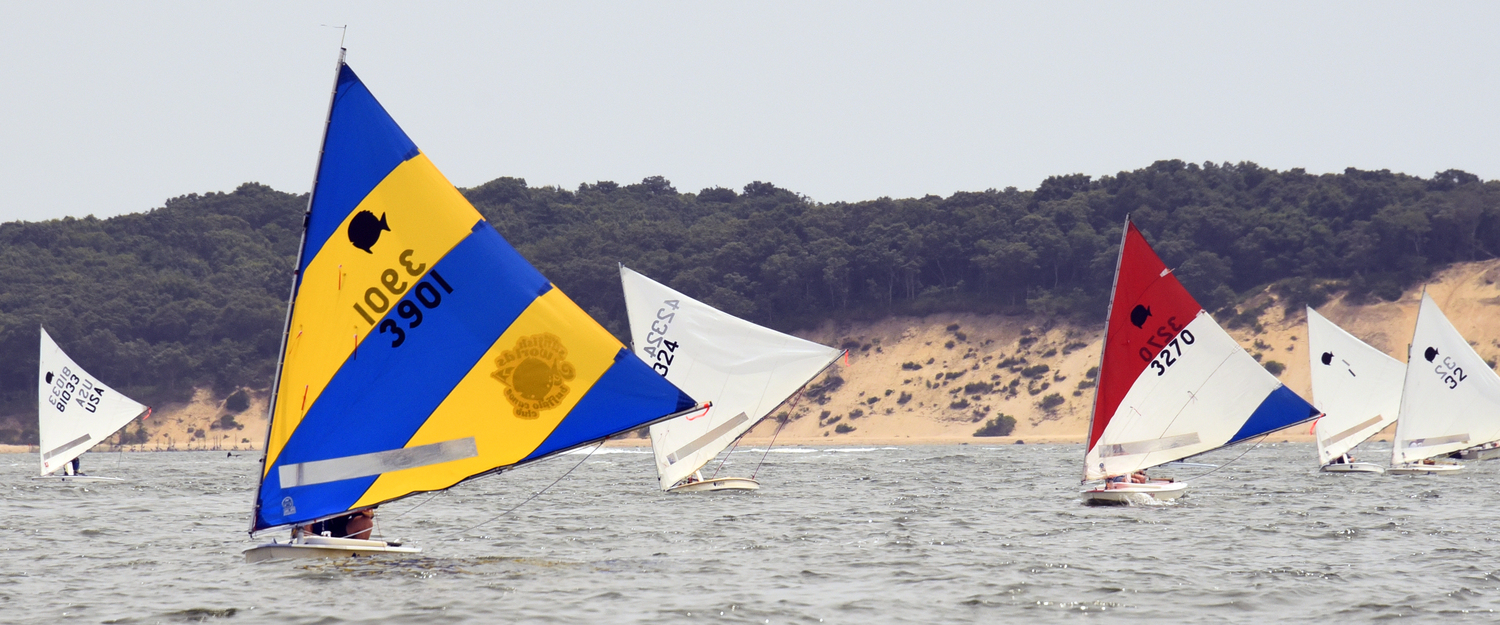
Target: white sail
{"type": "Point", "coordinates": [1451, 398]}
{"type": "Point", "coordinates": [743, 369]}
{"type": "Point", "coordinates": [1357, 387]}
{"type": "Point", "coordinates": [74, 411]}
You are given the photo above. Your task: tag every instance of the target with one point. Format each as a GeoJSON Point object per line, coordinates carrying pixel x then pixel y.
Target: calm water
{"type": "Point", "coordinates": [838, 535]}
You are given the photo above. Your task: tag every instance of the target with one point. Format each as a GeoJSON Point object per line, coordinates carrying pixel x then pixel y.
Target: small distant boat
{"type": "Point", "coordinates": [1357, 387]}
{"type": "Point", "coordinates": [74, 413]}
{"type": "Point", "coordinates": [1450, 399]}
{"type": "Point", "coordinates": [421, 350]}
{"type": "Point", "coordinates": [746, 370]}
{"type": "Point", "coordinates": [1172, 384]}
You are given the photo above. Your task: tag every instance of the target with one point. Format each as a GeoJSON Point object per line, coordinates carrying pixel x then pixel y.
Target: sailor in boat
{"type": "Point", "coordinates": [73, 468]}
{"type": "Point", "coordinates": [1121, 481]}
{"type": "Point", "coordinates": [356, 524]}
{"type": "Point", "coordinates": [1342, 459]}
{"type": "Point", "coordinates": [696, 477]}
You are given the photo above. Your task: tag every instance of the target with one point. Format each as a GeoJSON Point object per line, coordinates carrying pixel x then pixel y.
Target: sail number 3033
{"type": "Point", "coordinates": [660, 350]}
{"type": "Point", "coordinates": [1166, 358]}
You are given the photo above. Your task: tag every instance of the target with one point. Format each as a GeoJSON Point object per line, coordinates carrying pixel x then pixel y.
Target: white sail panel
{"type": "Point", "coordinates": [1450, 399]}
{"type": "Point", "coordinates": [1201, 396]}
{"type": "Point", "coordinates": [743, 369]}
{"type": "Point", "coordinates": [1357, 387]}
{"type": "Point", "coordinates": [74, 411]}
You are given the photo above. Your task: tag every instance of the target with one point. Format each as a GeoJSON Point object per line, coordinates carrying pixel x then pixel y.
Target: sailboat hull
{"type": "Point", "coordinates": [324, 547]}
{"type": "Point", "coordinates": [1353, 467]}
{"type": "Point", "coordinates": [1135, 494]}
{"type": "Point", "coordinates": [717, 484]}
{"type": "Point", "coordinates": [1488, 453]}
{"type": "Point", "coordinates": [1424, 469]}
{"type": "Point", "coordinates": [76, 478]}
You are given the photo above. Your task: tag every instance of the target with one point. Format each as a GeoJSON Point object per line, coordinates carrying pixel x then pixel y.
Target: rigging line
{"type": "Point", "coordinates": [424, 502]}
{"type": "Point", "coordinates": [1236, 458]}
{"type": "Point", "coordinates": [725, 459]}
{"type": "Point", "coordinates": [528, 499]}
{"type": "Point", "coordinates": [781, 424]}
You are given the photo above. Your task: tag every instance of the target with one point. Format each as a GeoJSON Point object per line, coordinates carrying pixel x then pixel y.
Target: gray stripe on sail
{"type": "Point", "coordinates": [1146, 447]}
{"type": "Point", "coordinates": [703, 441]}
{"type": "Point", "coordinates": [1351, 431]}
{"type": "Point", "coordinates": [66, 446]}
{"type": "Point", "coordinates": [365, 465]}
{"type": "Point", "coordinates": [1437, 440]}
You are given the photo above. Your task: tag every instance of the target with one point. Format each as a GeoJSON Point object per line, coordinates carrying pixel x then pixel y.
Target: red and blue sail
{"type": "Point", "coordinates": [1172, 382]}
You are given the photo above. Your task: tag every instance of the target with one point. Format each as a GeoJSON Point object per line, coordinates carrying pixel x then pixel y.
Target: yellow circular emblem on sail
{"type": "Point", "coordinates": [534, 373]}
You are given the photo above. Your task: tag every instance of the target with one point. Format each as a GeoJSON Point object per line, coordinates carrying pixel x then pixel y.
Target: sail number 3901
{"type": "Point", "coordinates": [657, 347]}
{"type": "Point", "coordinates": [428, 292]}
{"type": "Point", "coordinates": [1166, 358]}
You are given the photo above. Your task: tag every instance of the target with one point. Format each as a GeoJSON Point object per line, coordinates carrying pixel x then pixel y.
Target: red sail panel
{"type": "Point", "coordinates": [1149, 308]}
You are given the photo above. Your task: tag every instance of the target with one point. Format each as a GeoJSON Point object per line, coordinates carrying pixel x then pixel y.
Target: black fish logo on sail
{"type": "Point", "coordinates": [364, 230]}
{"type": "Point", "coordinates": [1139, 314]}
{"type": "Point", "coordinates": [49, 377]}
{"type": "Point", "coordinates": [1431, 353]}
{"type": "Point", "coordinates": [1327, 358]}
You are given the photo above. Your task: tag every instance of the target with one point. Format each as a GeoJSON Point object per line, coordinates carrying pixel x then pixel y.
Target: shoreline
{"type": "Point", "coordinates": [802, 441]}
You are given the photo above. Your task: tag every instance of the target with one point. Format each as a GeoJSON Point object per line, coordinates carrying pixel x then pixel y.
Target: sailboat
{"type": "Point", "coordinates": [75, 412]}
{"type": "Point", "coordinates": [1450, 400]}
{"type": "Point", "coordinates": [1172, 384]}
{"type": "Point", "coordinates": [1357, 387]}
{"type": "Point", "coordinates": [422, 350]}
{"type": "Point", "coordinates": [746, 370]}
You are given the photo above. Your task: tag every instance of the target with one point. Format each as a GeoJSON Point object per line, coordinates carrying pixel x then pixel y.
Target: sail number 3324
{"type": "Point", "coordinates": [659, 350]}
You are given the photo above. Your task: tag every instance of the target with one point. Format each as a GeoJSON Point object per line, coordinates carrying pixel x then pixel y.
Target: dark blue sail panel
{"type": "Point", "coordinates": [1281, 409]}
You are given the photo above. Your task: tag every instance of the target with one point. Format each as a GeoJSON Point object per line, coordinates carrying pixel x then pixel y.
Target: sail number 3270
{"type": "Point", "coordinates": [1166, 358]}
{"type": "Point", "coordinates": [657, 347]}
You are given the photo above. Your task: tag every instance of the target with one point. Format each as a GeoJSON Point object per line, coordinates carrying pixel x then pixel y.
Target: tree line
{"type": "Point", "coordinates": [193, 293]}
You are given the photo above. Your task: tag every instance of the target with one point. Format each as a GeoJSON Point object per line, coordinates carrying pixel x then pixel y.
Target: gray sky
{"type": "Point", "coordinates": [113, 107]}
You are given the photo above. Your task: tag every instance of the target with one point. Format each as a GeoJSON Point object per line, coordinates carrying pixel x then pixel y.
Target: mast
{"type": "Point", "coordinates": [1104, 345]}
{"type": "Point", "coordinates": [1397, 440]}
{"type": "Point", "coordinates": [291, 299]}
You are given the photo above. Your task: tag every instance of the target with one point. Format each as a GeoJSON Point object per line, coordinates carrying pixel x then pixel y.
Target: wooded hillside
{"type": "Point", "coordinates": [193, 293]}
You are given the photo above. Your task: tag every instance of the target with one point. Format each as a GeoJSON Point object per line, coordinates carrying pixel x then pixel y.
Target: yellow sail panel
{"type": "Point", "coordinates": [513, 398]}
{"type": "Point", "coordinates": [404, 226]}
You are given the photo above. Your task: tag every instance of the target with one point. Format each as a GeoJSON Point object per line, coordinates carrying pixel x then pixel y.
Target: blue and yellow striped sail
{"type": "Point", "coordinates": [422, 349]}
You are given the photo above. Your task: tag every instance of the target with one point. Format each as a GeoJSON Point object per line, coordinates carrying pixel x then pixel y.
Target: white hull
{"type": "Point", "coordinates": [1135, 493]}
{"type": "Point", "coordinates": [76, 478]}
{"type": "Point", "coordinates": [716, 484]}
{"type": "Point", "coordinates": [1353, 467]}
{"type": "Point", "coordinates": [1481, 454]}
{"type": "Point", "coordinates": [1424, 469]}
{"type": "Point", "coordinates": [325, 547]}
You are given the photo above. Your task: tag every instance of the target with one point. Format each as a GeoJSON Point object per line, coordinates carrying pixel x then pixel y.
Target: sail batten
{"type": "Point", "coordinates": [423, 350]}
